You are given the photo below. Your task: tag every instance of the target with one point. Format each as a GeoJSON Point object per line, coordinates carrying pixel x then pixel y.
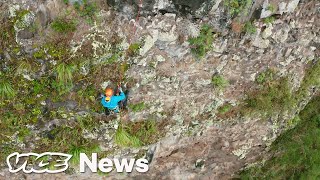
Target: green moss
{"type": "Point", "coordinates": [86, 9]}
{"type": "Point", "coordinates": [63, 25]}
{"type": "Point", "coordinates": [266, 76]}
{"type": "Point", "coordinates": [271, 98]}
{"type": "Point", "coordinates": [224, 108]}
{"type": "Point", "coordinates": [203, 43]}
{"type": "Point", "coordinates": [54, 51]}
{"type": "Point", "coordinates": [269, 20]}
{"type": "Point", "coordinates": [310, 80]}
{"type": "Point", "coordinates": [219, 82]}
{"type": "Point", "coordinates": [274, 95]}
{"type": "Point", "coordinates": [272, 8]}
{"type": "Point", "coordinates": [137, 107]}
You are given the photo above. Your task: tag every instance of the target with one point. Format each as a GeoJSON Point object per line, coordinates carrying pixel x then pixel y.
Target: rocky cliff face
{"type": "Point", "coordinates": [205, 133]}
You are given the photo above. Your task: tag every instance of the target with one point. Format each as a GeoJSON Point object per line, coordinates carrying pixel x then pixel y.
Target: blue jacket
{"type": "Point", "coordinates": [114, 100]}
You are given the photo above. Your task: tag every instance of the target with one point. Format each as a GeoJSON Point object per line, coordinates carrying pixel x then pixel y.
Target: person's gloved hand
{"type": "Point", "coordinates": [120, 89]}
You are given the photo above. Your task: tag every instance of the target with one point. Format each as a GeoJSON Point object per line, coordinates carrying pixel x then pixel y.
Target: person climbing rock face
{"type": "Point", "coordinates": [111, 102]}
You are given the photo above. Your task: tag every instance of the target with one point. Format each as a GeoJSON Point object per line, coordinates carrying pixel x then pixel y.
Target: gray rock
{"type": "Point", "coordinates": [267, 32]}
{"type": "Point", "coordinates": [260, 42]}
{"type": "Point", "coordinates": [266, 12]}
{"type": "Point", "coordinates": [42, 16]}
{"type": "Point", "coordinates": [25, 34]}
{"type": "Point", "coordinates": [149, 7]}
{"type": "Point", "coordinates": [149, 43]}
{"type": "Point", "coordinates": [282, 34]}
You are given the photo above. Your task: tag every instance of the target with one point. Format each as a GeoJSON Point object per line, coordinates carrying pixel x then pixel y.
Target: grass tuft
{"type": "Point", "coordinates": [64, 77]}
{"type": "Point", "coordinates": [124, 139]}
{"type": "Point", "coordinates": [219, 82]}
{"type": "Point", "coordinates": [6, 90]}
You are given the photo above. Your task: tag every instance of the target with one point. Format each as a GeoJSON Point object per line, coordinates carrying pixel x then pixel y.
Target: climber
{"type": "Point", "coordinates": [111, 102]}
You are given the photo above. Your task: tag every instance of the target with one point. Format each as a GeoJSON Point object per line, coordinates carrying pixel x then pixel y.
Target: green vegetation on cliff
{"type": "Point", "coordinates": [296, 153]}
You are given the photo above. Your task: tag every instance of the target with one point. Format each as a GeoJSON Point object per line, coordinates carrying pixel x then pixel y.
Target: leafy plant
{"type": "Point", "coordinates": [203, 43]}
{"type": "Point", "coordinates": [219, 82]}
{"type": "Point", "coordinates": [63, 25]}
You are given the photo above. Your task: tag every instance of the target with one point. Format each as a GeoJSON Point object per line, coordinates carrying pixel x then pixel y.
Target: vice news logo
{"type": "Point", "coordinates": [52, 162]}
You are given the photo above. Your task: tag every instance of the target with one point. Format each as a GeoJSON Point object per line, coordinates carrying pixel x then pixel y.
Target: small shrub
{"type": "Point", "coordinates": [86, 9]}
{"type": "Point", "coordinates": [250, 28]}
{"type": "Point", "coordinates": [237, 6]}
{"type": "Point", "coordinates": [62, 25]}
{"type": "Point", "coordinates": [219, 82]}
{"type": "Point", "coordinates": [23, 133]}
{"type": "Point", "coordinates": [203, 43]}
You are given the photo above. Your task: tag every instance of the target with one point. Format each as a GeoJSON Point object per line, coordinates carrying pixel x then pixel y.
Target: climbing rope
{"type": "Point", "coordinates": [137, 20]}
